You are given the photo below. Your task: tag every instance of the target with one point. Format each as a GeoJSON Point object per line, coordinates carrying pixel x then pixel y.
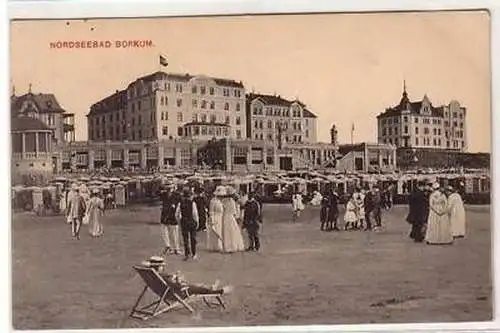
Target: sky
{"type": "Point", "coordinates": [347, 68]}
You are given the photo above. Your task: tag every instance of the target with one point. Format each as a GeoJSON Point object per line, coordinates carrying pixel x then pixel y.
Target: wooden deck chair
{"type": "Point", "coordinates": [168, 297]}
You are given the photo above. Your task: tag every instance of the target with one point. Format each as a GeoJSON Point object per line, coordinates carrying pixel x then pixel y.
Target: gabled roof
{"type": "Point", "coordinates": [23, 123]}
{"type": "Point", "coordinates": [277, 100]}
{"type": "Point", "coordinates": [43, 103]}
{"type": "Point", "coordinates": [309, 114]}
{"type": "Point", "coordinates": [413, 107]}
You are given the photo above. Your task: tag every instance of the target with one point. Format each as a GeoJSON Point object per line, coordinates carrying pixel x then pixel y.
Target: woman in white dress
{"type": "Point", "coordinates": [438, 223]}
{"type": "Point", "coordinates": [95, 208]}
{"type": "Point", "coordinates": [297, 205]}
{"type": "Point", "coordinates": [214, 225]}
{"type": "Point", "coordinates": [232, 239]}
{"type": "Point", "coordinates": [456, 212]}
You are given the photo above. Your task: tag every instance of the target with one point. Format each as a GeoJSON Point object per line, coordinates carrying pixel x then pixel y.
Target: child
{"type": "Point", "coordinates": [350, 217]}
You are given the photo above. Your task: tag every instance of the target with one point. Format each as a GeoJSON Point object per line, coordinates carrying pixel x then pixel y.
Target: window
{"type": "Point", "coordinates": [237, 93]}
{"type": "Point", "coordinates": [406, 129]}
{"type": "Point", "coordinates": [203, 130]}
{"type": "Point", "coordinates": [212, 105]}
{"type": "Point", "coordinates": [238, 121]}
{"type": "Point", "coordinates": [461, 125]}
{"type": "Point", "coordinates": [416, 120]}
{"type": "Point", "coordinates": [269, 124]}
{"type": "Point", "coordinates": [213, 119]}
{"type": "Point", "coordinates": [225, 92]}
{"type": "Point", "coordinates": [195, 117]}
{"type": "Point", "coordinates": [179, 102]}
{"type": "Point", "coordinates": [439, 131]}
{"type": "Point", "coordinates": [212, 91]}
{"type": "Point", "coordinates": [396, 141]}
{"type": "Point", "coordinates": [307, 133]}
{"type": "Point", "coordinates": [426, 130]}
{"type": "Point", "coordinates": [227, 120]}
{"type": "Point", "coordinates": [195, 103]}
{"type": "Point", "coordinates": [395, 131]}
{"type": "Point", "coordinates": [203, 104]}
{"type": "Point", "coordinates": [454, 114]}
{"type": "Point", "coordinates": [238, 134]}
{"type": "Point", "coordinates": [179, 131]}
{"type": "Point", "coordinates": [434, 131]}
{"type": "Point", "coordinates": [179, 116]}
{"type": "Point", "coordinates": [178, 88]}
{"type": "Point", "coordinates": [194, 89]}
{"type": "Point", "coordinates": [167, 86]}
{"type": "Point", "coordinates": [203, 118]}
{"type": "Point", "coordinates": [416, 141]}
{"type": "Point", "coordinates": [384, 131]}
{"type": "Point", "coordinates": [390, 130]}
{"type": "Point", "coordinates": [203, 90]}
{"type": "Point", "coordinates": [226, 106]}
{"type": "Point", "coordinates": [434, 142]}
{"type": "Point", "coordinates": [405, 118]}
{"type": "Point", "coordinates": [164, 130]}
{"type": "Point", "coordinates": [162, 100]}
{"type": "Point", "coordinates": [237, 106]}
{"type": "Point", "coordinates": [139, 120]}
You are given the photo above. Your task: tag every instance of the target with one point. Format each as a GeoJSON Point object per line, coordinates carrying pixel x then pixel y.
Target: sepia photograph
{"type": "Point", "coordinates": [251, 170]}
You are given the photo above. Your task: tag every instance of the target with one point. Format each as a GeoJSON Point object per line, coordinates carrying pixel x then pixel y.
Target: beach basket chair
{"type": "Point", "coordinates": [167, 296]}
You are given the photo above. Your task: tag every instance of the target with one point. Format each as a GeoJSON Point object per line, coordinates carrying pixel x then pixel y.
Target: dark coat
{"type": "Point", "coordinates": [418, 207]}
{"type": "Point", "coordinates": [252, 215]}
{"type": "Point", "coordinates": [323, 215]}
{"type": "Point", "coordinates": [333, 207]}
{"type": "Point", "coordinates": [168, 204]}
{"type": "Point", "coordinates": [201, 202]}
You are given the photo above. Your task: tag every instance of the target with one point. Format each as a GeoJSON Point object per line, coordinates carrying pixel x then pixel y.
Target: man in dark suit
{"type": "Point", "coordinates": [333, 210]}
{"type": "Point", "coordinates": [377, 207]}
{"type": "Point", "coordinates": [418, 212]}
{"type": "Point", "coordinates": [186, 214]}
{"type": "Point", "coordinates": [201, 201]}
{"type": "Point", "coordinates": [252, 219]}
{"type": "Point", "coordinates": [368, 209]}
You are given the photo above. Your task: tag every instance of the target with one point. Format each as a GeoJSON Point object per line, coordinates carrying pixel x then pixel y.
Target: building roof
{"type": "Point", "coordinates": [23, 123]}
{"type": "Point", "coordinates": [42, 103]}
{"type": "Point", "coordinates": [277, 100]}
{"type": "Point", "coordinates": [186, 77]}
{"type": "Point", "coordinates": [413, 107]}
{"type": "Point", "coordinates": [113, 102]}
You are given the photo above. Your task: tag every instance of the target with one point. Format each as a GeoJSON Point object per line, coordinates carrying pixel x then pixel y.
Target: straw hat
{"type": "Point", "coordinates": [435, 186]}
{"type": "Point", "coordinates": [220, 191]}
{"type": "Point", "coordinates": [74, 187]}
{"type": "Point", "coordinates": [230, 190]}
{"type": "Point", "coordinates": [95, 191]}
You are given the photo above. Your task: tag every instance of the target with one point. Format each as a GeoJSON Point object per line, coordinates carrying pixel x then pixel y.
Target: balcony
{"type": "Point", "coordinates": [30, 156]}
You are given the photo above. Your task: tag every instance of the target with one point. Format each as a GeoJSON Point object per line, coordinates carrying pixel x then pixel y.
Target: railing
{"type": "Point", "coordinates": [30, 155]}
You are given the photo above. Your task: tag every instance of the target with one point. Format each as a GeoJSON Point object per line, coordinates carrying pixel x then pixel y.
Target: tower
{"type": "Point", "coordinates": [334, 135]}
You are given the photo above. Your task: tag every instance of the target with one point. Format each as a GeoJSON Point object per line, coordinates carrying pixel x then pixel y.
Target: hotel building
{"type": "Point", "coordinates": [420, 125]}
{"type": "Point", "coordinates": [164, 106]}
{"type": "Point", "coordinates": [271, 118]}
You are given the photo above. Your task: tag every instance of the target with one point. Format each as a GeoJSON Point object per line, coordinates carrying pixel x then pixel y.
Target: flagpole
{"type": "Point", "coordinates": [352, 134]}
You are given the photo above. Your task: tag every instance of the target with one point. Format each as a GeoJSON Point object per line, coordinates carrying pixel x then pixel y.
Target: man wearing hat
{"type": "Point", "coordinates": [251, 221]}
{"type": "Point", "coordinates": [76, 211]}
{"type": "Point", "coordinates": [201, 201]}
{"type": "Point", "coordinates": [418, 212]}
{"type": "Point", "coordinates": [179, 284]}
{"type": "Point", "coordinates": [169, 227]}
{"type": "Point", "coordinates": [186, 214]}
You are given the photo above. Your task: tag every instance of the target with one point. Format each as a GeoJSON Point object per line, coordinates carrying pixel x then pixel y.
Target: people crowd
{"type": "Point", "coordinates": [225, 217]}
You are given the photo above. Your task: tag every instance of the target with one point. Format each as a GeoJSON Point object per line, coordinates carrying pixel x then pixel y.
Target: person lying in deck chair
{"type": "Point", "coordinates": [178, 282]}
